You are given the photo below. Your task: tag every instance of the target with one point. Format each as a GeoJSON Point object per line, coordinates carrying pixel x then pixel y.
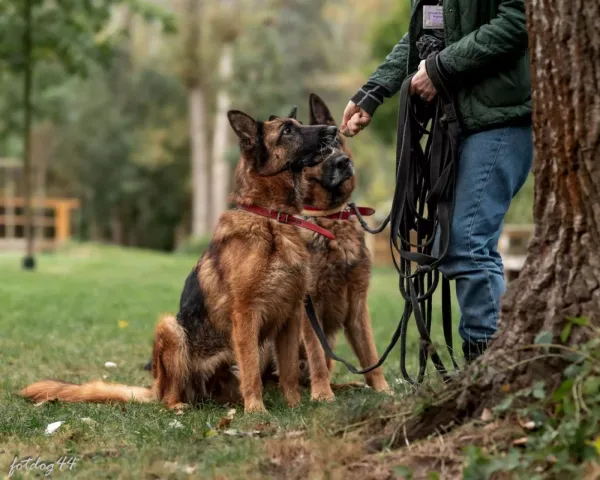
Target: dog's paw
{"type": "Point", "coordinates": [324, 395]}
{"type": "Point", "coordinates": [254, 406]}
{"type": "Point", "coordinates": [383, 387]}
{"type": "Point", "coordinates": [178, 407]}
{"type": "Point", "coordinates": [293, 398]}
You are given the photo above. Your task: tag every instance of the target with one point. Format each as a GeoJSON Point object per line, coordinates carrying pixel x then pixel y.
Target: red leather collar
{"type": "Point", "coordinates": [286, 218]}
{"type": "Point", "coordinates": [343, 214]}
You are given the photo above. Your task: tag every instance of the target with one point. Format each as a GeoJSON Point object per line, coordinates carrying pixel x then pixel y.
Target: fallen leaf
{"type": "Point", "coordinates": [123, 324]}
{"type": "Point", "coordinates": [505, 388]}
{"type": "Point", "coordinates": [189, 469]}
{"type": "Point", "coordinates": [175, 424]}
{"type": "Point", "coordinates": [110, 365]}
{"type": "Point", "coordinates": [232, 432]}
{"type": "Point", "coordinates": [527, 424]}
{"type": "Point", "coordinates": [211, 433]}
{"type": "Point", "coordinates": [520, 441]}
{"type": "Point", "coordinates": [53, 427]}
{"type": "Point", "coordinates": [89, 421]}
{"type": "Point", "coordinates": [487, 415]}
{"type": "Point", "coordinates": [225, 421]}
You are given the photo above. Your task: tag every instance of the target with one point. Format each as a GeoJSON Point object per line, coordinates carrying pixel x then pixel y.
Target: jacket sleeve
{"type": "Point", "coordinates": [503, 39]}
{"type": "Point", "coordinates": [392, 72]}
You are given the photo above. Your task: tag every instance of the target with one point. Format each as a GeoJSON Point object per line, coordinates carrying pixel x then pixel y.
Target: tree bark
{"type": "Point", "coordinates": [561, 277]}
{"type": "Point", "coordinates": [220, 170]}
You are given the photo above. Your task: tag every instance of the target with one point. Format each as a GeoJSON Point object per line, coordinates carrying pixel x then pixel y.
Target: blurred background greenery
{"type": "Point", "coordinates": [128, 98]}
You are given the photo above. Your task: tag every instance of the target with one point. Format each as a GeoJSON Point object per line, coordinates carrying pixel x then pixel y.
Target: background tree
{"type": "Point", "coordinates": [65, 32]}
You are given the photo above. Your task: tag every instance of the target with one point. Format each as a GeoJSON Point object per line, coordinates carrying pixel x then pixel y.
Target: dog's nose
{"type": "Point", "coordinates": [342, 162]}
{"type": "Point", "coordinates": [331, 131]}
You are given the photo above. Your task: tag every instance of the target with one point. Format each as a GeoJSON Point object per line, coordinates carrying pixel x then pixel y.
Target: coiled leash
{"type": "Point", "coordinates": [423, 203]}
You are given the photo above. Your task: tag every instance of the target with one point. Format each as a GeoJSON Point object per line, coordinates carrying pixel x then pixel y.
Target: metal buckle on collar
{"type": "Point", "coordinates": [342, 211]}
{"type": "Point", "coordinates": [283, 217]}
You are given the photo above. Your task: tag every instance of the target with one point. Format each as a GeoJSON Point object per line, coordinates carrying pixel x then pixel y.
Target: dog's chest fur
{"type": "Point", "coordinates": [340, 270]}
{"type": "Point", "coordinates": [260, 265]}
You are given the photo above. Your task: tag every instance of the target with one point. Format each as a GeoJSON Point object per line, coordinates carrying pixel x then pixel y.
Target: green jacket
{"type": "Point", "coordinates": [486, 59]}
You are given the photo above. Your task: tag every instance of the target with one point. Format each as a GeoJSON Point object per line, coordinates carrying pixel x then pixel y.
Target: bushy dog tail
{"type": "Point", "coordinates": [97, 392]}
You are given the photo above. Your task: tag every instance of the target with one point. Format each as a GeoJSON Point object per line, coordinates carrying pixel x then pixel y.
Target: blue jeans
{"type": "Point", "coordinates": [493, 166]}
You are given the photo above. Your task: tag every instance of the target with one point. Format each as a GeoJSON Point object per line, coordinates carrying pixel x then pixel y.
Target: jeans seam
{"type": "Point", "coordinates": [469, 235]}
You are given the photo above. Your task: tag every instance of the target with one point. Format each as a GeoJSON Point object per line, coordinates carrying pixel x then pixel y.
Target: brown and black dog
{"type": "Point", "coordinates": [341, 268]}
{"type": "Point", "coordinates": [246, 292]}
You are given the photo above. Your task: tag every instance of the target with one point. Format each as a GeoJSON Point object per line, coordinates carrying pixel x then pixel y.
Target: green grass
{"type": "Point", "coordinates": [63, 321]}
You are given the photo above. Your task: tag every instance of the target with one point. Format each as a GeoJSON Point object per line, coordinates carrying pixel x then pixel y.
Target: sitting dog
{"type": "Point", "coordinates": [246, 293]}
{"type": "Point", "coordinates": [341, 268]}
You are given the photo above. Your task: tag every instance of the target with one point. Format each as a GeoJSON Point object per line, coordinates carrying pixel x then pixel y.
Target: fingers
{"type": "Point", "coordinates": [350, 110]}
{"type": "Point", "coordinates": [357, 123]}
{"type": "Point", "coordinates": [421, 85]}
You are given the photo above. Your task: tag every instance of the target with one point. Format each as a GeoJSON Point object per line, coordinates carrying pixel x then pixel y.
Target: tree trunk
{"type": "Point", "coordinates": [198, 120]}
{"type": "Point", "coordinates": [28, 261]}
{"type": "Point", "coordinates": [220, 170]}
{"type": "Point", "coordinates": [42, 146]}
{"type": "Point", "coordinates": [561, 277]}
{"type": "Point", "coordinates": [200, 197]}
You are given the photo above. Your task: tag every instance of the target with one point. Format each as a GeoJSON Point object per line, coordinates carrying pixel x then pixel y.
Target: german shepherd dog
{"type": "Point", "coordinates": [245, 295]}
{"type": "Point", "coordinates": [341, 268]}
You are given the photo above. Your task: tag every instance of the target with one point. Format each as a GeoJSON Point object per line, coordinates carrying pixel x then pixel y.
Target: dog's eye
{"type": "Point", "coordinates": [287, 131]}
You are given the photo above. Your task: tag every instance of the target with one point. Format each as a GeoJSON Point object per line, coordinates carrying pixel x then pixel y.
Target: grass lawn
{"type": "Point", "coordinates": [88, 305]}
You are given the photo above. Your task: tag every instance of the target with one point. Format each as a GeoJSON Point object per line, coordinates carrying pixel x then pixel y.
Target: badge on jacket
{"type": "Point", "coordinates": [433, 17]}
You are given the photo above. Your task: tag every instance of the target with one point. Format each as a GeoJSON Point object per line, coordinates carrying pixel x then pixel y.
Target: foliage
{"type": "Point", "coordinates": [123, 151]}
{"type": "Point", "coordinates": [564, 427]}
{"type": "Point", "coordinates": [72, 32]}
{"type": "Point", "coordinates": [385, 35]}
{"type": "Point", "coordinates": [280, 53]}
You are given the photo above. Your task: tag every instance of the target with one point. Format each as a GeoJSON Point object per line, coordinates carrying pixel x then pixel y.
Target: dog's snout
{"type": "Point", "coordinates": [342, 162]}
{"type": "Point", "coordinates": [330, 132]}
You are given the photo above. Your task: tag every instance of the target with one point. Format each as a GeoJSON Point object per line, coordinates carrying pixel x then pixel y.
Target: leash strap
{"type": "Point", "coordinates": [423, 203]}
{"type": "Point", "coordinates": [286, 218]}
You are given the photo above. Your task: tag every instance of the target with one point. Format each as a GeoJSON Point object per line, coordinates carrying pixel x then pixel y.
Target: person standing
{"type": "Point", "coordinates": [483, 56]}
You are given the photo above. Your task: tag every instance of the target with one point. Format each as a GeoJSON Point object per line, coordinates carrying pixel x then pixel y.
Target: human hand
{"type": "Point", "coordinates": [421, 84]}
{"type": "Point", "coordinates": [354, 120]}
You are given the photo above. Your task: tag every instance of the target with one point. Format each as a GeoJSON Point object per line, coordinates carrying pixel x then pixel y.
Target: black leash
{"type": "Point", "coordinates": [423, 203]}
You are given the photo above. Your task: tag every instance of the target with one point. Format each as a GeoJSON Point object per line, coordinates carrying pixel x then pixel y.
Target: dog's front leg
{"type": "Point", "coordinates": [246, 325]}
{"type": "Point", "coordinates": [360, 336]}
{"type": "Point", "coordinates": [287, 349]}
{"type": "Point", "coordinates": [320, 388]}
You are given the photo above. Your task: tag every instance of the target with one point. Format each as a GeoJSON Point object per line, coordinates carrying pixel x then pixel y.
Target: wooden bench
{"type": "Point", "coordinates": [51, 214]}
{"type": "Point", "coordinates": [512, 247]}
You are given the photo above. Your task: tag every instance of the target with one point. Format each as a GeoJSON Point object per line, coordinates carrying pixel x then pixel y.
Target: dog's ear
{"type": "Point", "coordinates": [244, 126]}
{"type": "Point", "coordinates": [319, 113]}
{"type": "Point", "coordinates": [293, 112]}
